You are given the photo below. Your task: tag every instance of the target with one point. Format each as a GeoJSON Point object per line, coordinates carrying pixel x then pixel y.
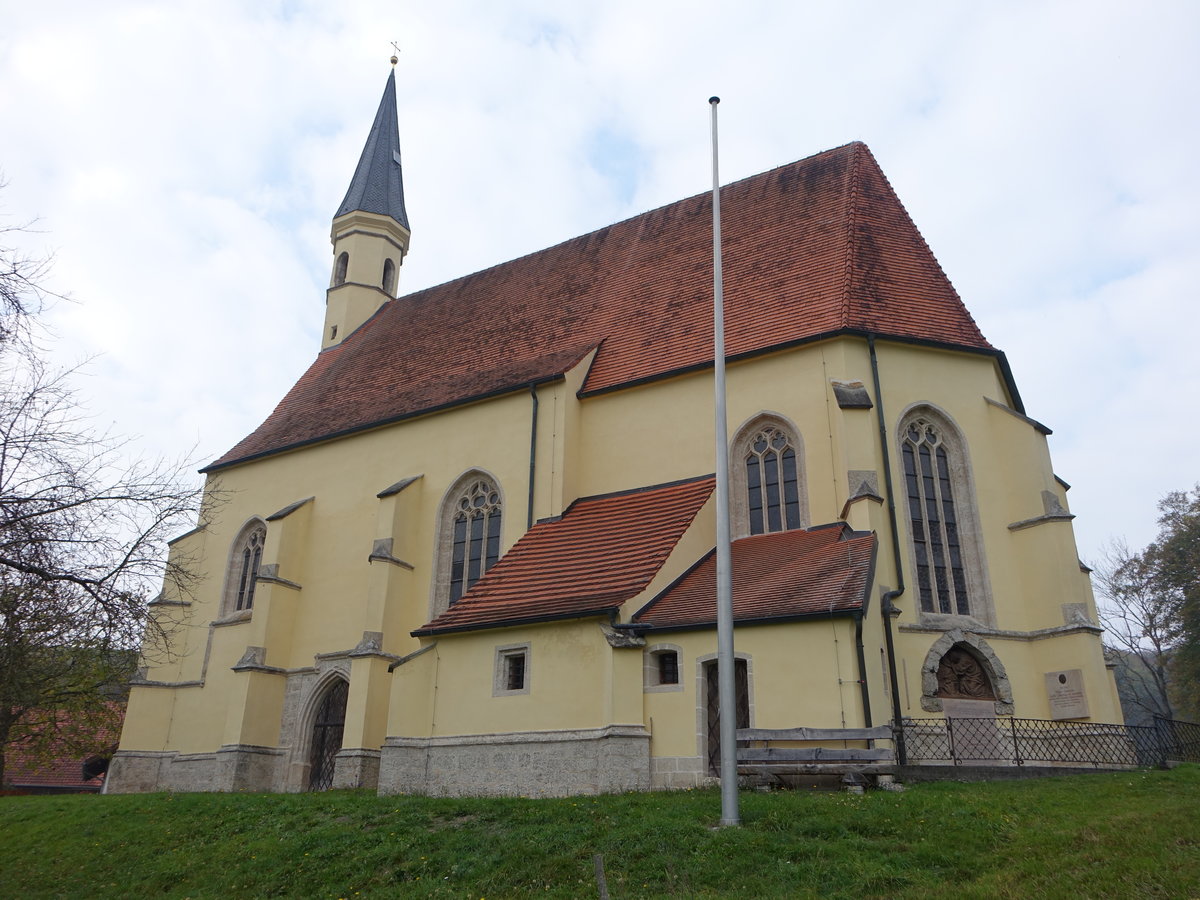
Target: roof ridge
{"type": "Point", "coordinates": [628, 492]}
{"type": "Point", "coordinates": [852, 194]}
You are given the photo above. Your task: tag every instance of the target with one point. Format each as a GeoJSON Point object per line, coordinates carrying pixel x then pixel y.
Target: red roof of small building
{"type": "Point", "coordinates": [814, 248]}
{"type": "Point", "coordinates": [786, 574]}
{"type": "Point", "coordinates": [59, 772]}
{"type": "Point", "coordinates": [58, 764]}
{"type": "Point", "coordinates": [603, 551]}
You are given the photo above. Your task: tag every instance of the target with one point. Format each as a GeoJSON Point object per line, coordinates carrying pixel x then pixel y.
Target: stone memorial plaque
{"type": "Point", "coordinates": [1068, 700]}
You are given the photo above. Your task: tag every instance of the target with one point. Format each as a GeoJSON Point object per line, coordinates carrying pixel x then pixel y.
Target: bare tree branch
{"type": "Point", "coordinates": [1141, 625]}
{"type": "Point", "coordinates": [83, 538]}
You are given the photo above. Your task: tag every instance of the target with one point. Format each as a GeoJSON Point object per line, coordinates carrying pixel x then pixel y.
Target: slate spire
{"type": "Point", "coordinates": [377, 186]}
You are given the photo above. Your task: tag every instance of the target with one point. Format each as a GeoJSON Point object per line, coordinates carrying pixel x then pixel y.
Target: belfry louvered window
{"type": "Point", "coordinates": [476, 536]}
{"type": "Point", "coordinates": [772, 485]}
{"type": "Point", "coordinates": [941, 576]}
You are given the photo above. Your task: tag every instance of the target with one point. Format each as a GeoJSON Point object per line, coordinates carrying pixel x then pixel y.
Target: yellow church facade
{"type": "Point", "coordinates": [471, 550]}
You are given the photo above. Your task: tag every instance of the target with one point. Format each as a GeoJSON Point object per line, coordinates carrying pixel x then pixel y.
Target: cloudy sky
{"type": "Point", "coordinates": [184, 160]}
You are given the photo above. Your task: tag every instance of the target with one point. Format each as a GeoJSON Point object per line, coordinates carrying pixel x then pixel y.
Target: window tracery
{"type": "Point", "coordinates": [768, 478]}
{"type": "Point", "coordinates": [941, 575]}
{"type": "Point", "coordinates": [245, 559]}
{"type": "Point", "coordinates": [475, 541]}
{"type": "Point", "coordinates": [946, 549]}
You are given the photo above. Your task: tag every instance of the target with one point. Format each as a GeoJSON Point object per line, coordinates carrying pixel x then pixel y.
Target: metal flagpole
{"type": "Point", "coordinates": [726, 689]}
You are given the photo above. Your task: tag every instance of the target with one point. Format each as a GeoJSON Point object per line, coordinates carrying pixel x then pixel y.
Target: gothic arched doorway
{"type": "Point", "coordinates": [328, 724]}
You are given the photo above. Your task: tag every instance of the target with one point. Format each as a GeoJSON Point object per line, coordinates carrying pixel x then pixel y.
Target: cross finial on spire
{"type": "Point", "coordinates": [396, 55]}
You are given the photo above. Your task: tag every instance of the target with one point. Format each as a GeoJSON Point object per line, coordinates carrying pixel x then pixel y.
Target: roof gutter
{"type": "Point", "coordinates": [824, 615]}
{"type": "Point", "coordinates": [813, 339]}
{"type": "Point", "coordinates": [382, 423]}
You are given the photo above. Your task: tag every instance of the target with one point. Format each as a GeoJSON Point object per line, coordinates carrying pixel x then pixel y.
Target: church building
{"type": "Point", "coordinates": [471, 551]}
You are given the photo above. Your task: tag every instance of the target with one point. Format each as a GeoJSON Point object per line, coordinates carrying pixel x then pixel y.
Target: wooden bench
{"type": "Point", "coordinates": [850, 762]}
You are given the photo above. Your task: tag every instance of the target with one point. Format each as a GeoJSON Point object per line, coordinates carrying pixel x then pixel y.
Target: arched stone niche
{"type": "Point", "coordinates": [967, 665]}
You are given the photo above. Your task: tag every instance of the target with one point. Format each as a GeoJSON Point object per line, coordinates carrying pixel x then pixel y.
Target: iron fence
{"type": "Point", "coordinates": [1007, 740]}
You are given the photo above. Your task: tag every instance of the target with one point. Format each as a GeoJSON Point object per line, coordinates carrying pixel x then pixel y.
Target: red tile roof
{"type": "Point", "coordinates": [787, 574]}
{"type": "Point", "coordinates": [58, 764]}
{"type": "Point", "coordinates": [813, 248]}
{"type": "Point", "coordinates": [26, 770]}
{"type": "Point", "coordinates": [603, 551]}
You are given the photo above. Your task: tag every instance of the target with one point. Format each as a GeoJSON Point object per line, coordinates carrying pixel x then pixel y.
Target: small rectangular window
{"type": "Point", "coordinates": [660, 668]}
{"type": "Point", "coordinates": [511, 671]}
{"type": "Point", "coordinates": [668, 668]}
{"type": "Point", "coordinates": [514, 676]}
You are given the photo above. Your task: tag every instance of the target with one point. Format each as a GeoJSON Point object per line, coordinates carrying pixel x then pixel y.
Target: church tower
{"type": "Point", "coordinates": [370, 229]}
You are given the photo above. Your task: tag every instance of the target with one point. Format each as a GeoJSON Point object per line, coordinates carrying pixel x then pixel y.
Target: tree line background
{"type": "Point", "coordinates": [1150, 609]}
{"type": "Point", "coordinates": [84, 529]}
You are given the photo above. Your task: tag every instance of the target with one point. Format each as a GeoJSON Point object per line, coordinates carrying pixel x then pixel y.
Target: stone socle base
{"type": "Point", "coordinates": [675, 772]}
{"type": "Point", "coordinates": [244, 767]}
{"type": "Point", "coordinates": [142, 771]}
{"type": "Point", "coordinates": [356, 768]}
{"type": "Point", "coordinates": [236, 767]}
{"type": "Point", "coordinates": [531, 763]}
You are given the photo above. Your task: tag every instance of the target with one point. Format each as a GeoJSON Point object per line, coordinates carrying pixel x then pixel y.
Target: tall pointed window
{"type": "Point", "coordinates": [339, 269]}
{"type": "Point", "coordinates": [245, 559]}
{"type": "Point", "coordinates": [768, 479]}
{"type": "Point", "coordinates": [468, 541]}
{"type": "Point", "coordinates": [947, 558]}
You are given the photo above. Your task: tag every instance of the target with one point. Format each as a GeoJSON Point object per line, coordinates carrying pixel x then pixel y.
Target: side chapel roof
{"type": "Point", "coordinates": [601, 552]}
{"type": "Point", "coordinates": [812, 249]}
{"type": "Point", "coordinates": [786, 574]}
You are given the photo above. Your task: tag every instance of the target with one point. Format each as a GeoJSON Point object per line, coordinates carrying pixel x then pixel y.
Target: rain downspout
{"type": "Point", "coordinates": [886, 609]}
{"type": "Point", "coordinates": [532, 452]}
{"type": "Point", "coordinates": [862, 669]}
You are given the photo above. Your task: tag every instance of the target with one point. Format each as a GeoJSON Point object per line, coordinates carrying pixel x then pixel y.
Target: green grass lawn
{"type": "Point", "coordinates": [1135, 834]}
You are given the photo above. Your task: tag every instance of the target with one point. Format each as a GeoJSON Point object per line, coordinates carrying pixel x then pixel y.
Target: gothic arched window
{"type": "Point", "coordinates": [475, 533]}
{"type": "Point", "coordinates": [767, 463]}
{"type": "Point", "coordinates": [245, 558]}
{"type": "Point", "coordinates": [942, 522]}
{"type": "Point", "coordinates": [468, 537]}
{"type": "Point", "coordinates": [339, 270]}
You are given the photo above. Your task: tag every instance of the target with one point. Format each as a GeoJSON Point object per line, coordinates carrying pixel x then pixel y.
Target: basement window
{"type": "Point", "coordinates": [511, 675]}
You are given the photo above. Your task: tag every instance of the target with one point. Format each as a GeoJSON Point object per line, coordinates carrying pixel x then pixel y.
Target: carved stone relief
{"type": "Point", "coordinates": [959, 674]}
